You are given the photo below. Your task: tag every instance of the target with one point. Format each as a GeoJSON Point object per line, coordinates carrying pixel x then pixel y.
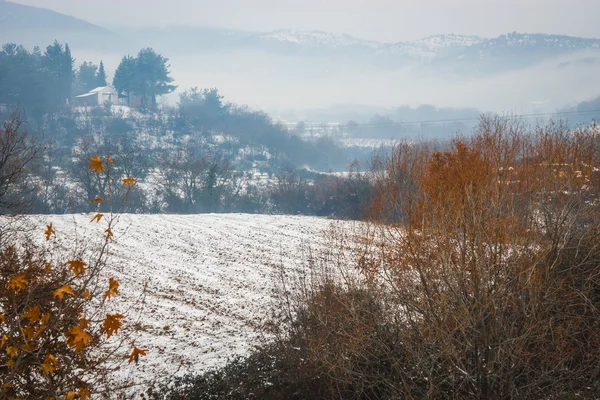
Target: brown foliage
{"type": "Point", "coordinates": [482, 265]}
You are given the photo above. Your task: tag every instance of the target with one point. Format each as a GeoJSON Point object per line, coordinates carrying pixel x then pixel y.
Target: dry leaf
{"type": "Point", "coordinates": [96, 164]}
{"type": "Point", "coordinates": [49, 231]}
{"type": "Point", "coordinates": [135, 355]}
{"type": "Point", "coordinates": [18, 282]}
{"type": "Point", "coordinates": [77, 266]}
{"type": "Point", "coordinates": [112, 324]}
{"type": "Point", "coordinates": [66, 289]}
{"type": "Point", "coordinates": [113, 288]}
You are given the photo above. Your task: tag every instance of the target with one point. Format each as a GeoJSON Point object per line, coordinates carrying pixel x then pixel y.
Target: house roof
{"type": "Point", "coordinates": [86, 95]}
{"type": "Point", "coordinates": [96, 91]}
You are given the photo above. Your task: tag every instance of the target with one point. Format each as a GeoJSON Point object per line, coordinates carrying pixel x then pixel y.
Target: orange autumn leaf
{"type": "Point", "coordinates": [18, 282]}
{"type": "Point", "coordinates": [49, 231]}
{"type": "Point", "coordinates": [12, 351]}
{"type": "Point", "coordinates": [2, 318]}
{"type": "Point", "coordinates": [28, 332]}
{"type": "Point", "coordinates": [109, 160]}
{"type": "Point", "coordinates": [97, 200]}
{"type": "Point", "coordinates": [112, 324]}
{"type": "Point", "coordinates": [113, 288]}
{"type": "Point", "coordinates": [3, 341]}
{"type": "Point", "coordinates": [77, 266]}
{"type": "Point", "coordinates": [96, 164]}
{"type": "Point", "coordinates": [128, 181]}
{"type": "Point", "coordinates": [83, 322]}
{"type": "Point", "coordinates": [70, 395]}
{"type": "Point", "coordinates": [109, 233]}
{"type": "Point", "coordinates": [66, 289]}
{"type": "Point", "coordinates": [49, 364]}
{"type": "Point", "coordinates": [97, 218]}
{"type": "Point", "coordinates": [135, 355]}
{"type": "Point", "coordinates": [78, 338]}
{"type": "Point", "coordinates": [84, 393]}
{"type": "Point", "coordinates": [33, 314]}
{"type": "Point", "coordinates": [87, 294]}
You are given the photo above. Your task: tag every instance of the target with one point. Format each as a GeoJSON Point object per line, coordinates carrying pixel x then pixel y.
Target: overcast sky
{"type": "Point", "coordinates": [385, 20]}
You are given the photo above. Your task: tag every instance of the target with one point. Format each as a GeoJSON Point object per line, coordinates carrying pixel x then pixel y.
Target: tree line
{"type": "Point", "coordinates": [46, 82]}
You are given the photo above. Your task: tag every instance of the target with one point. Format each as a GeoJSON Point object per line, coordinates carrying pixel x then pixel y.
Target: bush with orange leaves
{"type": "Point", "coordinates": [480, 267]}
{"type": "Point", "coordinates": [490, 252]}
{"type": "Point", "coordinates": [59, 333]}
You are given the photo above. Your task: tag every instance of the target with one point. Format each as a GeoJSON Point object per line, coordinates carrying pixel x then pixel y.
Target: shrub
{"type": "Point", "coordinates": [59, 334]}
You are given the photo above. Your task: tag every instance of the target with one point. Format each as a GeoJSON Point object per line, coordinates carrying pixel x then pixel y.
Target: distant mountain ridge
{"type": "Point", "coordinates": [34, 26]}
{"type": "Point", "coordinates": [462, 54]}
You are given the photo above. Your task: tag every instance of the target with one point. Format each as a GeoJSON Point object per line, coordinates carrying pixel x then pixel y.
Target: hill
{"type": "Point", "coordinates": [34, 26]}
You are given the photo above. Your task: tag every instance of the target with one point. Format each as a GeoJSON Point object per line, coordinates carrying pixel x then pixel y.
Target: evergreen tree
{"type": "Point", "coordinates": [86, 77]}
{"type": "Point", "coordinates": [101, 77]}
{"type": "Point", "coordinates": [67, 74]}
{"type": "Point", "coordinates": [152, 77]}
{"type": "Point", "coordinates": [124, 80]}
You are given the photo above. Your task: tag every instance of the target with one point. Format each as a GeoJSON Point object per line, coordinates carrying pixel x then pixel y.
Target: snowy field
{"type": "Point", "coordinates": [211, 279]}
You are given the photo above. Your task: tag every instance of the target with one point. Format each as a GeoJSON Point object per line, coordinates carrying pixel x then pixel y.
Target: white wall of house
{"type": "Point", "coordinates": [99, 96]}
{"type": "Point", "coordinates": [107, 94]}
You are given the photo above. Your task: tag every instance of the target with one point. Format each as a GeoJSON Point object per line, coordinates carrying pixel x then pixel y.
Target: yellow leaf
{"type": "Point", "coordinates": [97, 200]}
{"type": "Point", "coordinates": [66, 289]}
{"type": "Point", "coordinates": [70, 396]}
{"type": "Point", "coordinates": [18, 282]}
{"type": "Point", "coordinates": [108, 231]}
{"type": "Point", "coordinates": [33, 314]}
{"type": "Point", "coordinates": [78, 338]}
{"type": "Point", "coordinates": [84, 393]}
{"type": "Point", "coordinates": [96, 164]}
{"type": "Point", "coordinates": [49, 231]}
{"type": "Point", "coordinates": [10, 363]}
{"type": "Point", "coordinates": [12, 351]}
{"type": "Point", "coordinates": [135, 355]}
{"type": "Point", "coordinates": [128, 181]}
{"type": "Point", "coordinates": [112, 324]}
{"type": "Point", "coordinates": [77, 266]}
{"type": "Point", "coordinates": [97, 218]}
{"type": "Point", "coordinates": [49, 364]}
{"type": "Point", "coordinates": [113, 288]}
{"type": "Point", "coordinates": [3, 341]}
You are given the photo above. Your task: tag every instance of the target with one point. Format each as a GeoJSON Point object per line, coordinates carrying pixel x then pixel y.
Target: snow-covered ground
{"type": "Point", "coordinates": [211, 279]}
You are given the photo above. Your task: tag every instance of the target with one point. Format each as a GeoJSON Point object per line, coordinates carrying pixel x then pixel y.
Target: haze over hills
{"type": "Point", "coordinates": [286, 69]}
{"type": "Point", "coordinates": [33, 26]}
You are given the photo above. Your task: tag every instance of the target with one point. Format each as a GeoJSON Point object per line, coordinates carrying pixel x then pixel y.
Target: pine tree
{"type": "Point", "coordinates": [125, 76]}
{"type": "Point", "coordinates": [67, 74]}
{"type": "Point", "coordinates": [101, 77]}
{"type": "Point", "coordinates": [87, 77]}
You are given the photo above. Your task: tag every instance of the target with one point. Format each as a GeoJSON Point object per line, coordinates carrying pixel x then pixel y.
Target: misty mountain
{"type": "Point", "coordinates": [448, 53]}
{"type": "Point", "coordinates": [460, 54]}
{"type": "Point", "coordinates": [33, 26]}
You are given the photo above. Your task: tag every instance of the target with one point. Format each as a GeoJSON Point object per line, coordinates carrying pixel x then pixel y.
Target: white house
{"type": "Point", "coordinates": [98, 97]}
